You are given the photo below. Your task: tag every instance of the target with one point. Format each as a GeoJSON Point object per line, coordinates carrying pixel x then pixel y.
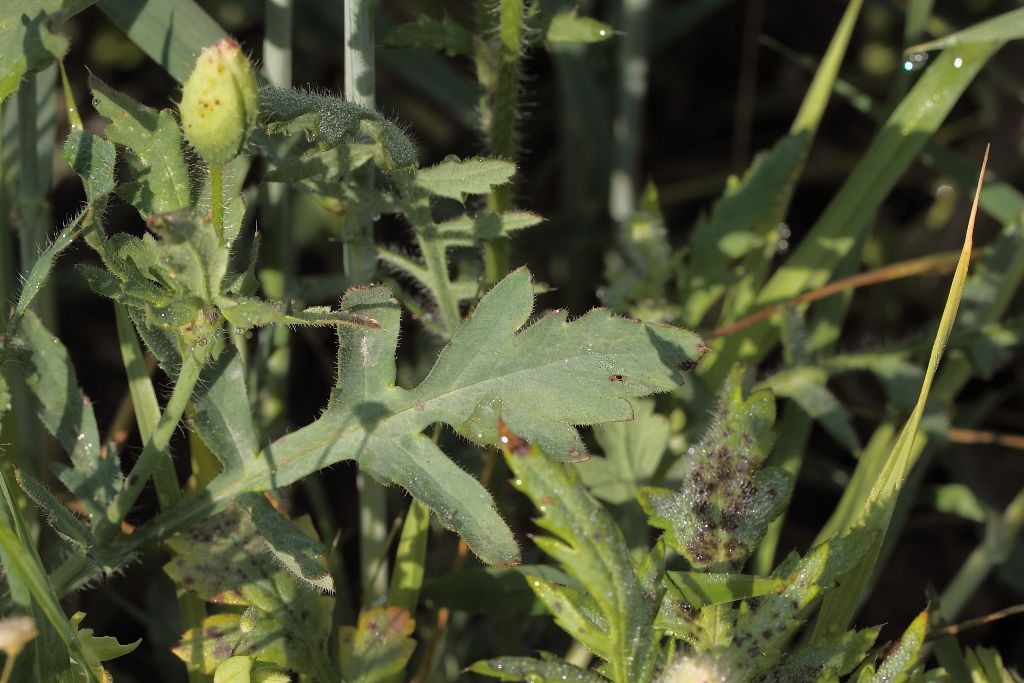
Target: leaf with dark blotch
{"type": "Point", "coordinates": [379, 646]}
{"type": "Point", "coordinates": [534, 671]}
{"type": "Point", "coordinates": [721, 510]}
{"type": "Point", "coordinates": [158, 179]}
{"type": "Point", "coordinates": [764, 629]}
{"type": "Point", "coordinates": [811, 663]}
{"type": "Point", "coordinates": [67, 414]}
{"type": "Point", "coordinates": [612, 611]}
{"type": "Point", "coordinates": [225, 560]}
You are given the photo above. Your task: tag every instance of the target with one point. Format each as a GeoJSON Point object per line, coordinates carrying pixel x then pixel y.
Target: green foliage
{"type": "Point", "coordinates": [726, 500]}
{"type": "Point", "coordinates": [27, 41]}
{"type": "Point", "coordinates": [378, 647]}
{"type": "Point", "coordinates": [225, 560]}
{"type": "Point", "coordinates": [611, 603]}
{"type": "Point", "coordinates": [262, 596]}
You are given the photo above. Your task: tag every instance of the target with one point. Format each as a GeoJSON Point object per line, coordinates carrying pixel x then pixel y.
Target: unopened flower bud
{"type": "Point", "coordinates": [219, 102]}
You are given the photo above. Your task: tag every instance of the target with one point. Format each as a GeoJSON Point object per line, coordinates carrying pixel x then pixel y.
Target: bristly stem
{"type": "Point", "coordinates": [156, 446]}
{"type": "Point", "coordinates": [217, 199]}
{"type": "Point", "coordinates": [499, 75]}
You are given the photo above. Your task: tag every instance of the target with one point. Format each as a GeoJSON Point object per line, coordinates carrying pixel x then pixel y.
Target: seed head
{"type": "Point", "coordinates": [219, 102]}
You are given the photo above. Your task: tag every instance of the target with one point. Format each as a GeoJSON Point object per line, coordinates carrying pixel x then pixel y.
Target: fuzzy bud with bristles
{"type": "Point", "coordinates": [697, 669]}
{"type": "Point", "coordinates": [219, 102]}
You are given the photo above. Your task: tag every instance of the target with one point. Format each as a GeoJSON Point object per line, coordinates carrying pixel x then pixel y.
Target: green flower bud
{"type": "Point", "coordinates": [219, 102]}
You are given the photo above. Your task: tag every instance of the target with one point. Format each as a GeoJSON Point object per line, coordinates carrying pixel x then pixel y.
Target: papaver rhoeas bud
{"type": "Point", "coordinates": [219, 102]}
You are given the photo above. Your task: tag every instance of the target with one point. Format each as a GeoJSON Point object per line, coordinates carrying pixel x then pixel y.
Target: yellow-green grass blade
{"type": "Point", "coordinates": [874, 512]}
{"type": "Point", "coordinates": [1007, 26]}
{"type": "Point", "coordinates": [850, 214]}
{"type": "Point", "coordinates": [762, 199]}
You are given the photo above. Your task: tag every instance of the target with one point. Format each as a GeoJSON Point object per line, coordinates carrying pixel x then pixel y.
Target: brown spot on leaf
{"type": "Point", "coordinates": [511, 441]}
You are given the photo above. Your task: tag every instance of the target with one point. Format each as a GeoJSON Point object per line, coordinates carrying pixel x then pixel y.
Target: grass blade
{"type": "Point", "coordinates": [876, 509]}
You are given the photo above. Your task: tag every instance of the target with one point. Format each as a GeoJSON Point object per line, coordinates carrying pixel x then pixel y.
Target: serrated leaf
{"type": "Point", "coordinates": [455, 178]}
{"type": "Point", "coordinates": [903, 659]}
{"type": "Point", "coordinates": [725, 501]}
{"type": "Point", "coordinates": [292, 543]}
{"type": "Point", "coordinates": [27, 43]}
{"type": "Point", "coordinates": [810, 663]}
{"type": "Point", "coordinates": [567, 27]}
{"type": "Point", "coordinates": [444, 35]}
{"type": "Point", "coordinates": [700, 589]}
{"type": "Point", "coordinates": [469, 231]}
{"type": "Point", "coordinates": [632, 451]}
{"type": "Point", "coordinates": [224, 559]}
{"type": "Point", "coordinates": [93, 158]}
{"type": "Point", "coordinates": [158, 179]}
{"type": "Point", "coordinates": [100, 648]}
{"type": "Point", "coordinates": [191, 258]}
{"type": "Point", "coordinates": [378, 647]}
{"type": "Point", "coordinates": [62, 520]}
{"type": "Point", "coordinates": [761, 632]}
{"type": "Point", "coordinates": [534, 671]}
{"type": "Point", "coordinates": [490, 368]}
{"type": "Point", "coordinates": [331, 121]}
{"type": "Point", "coordinates": [68, 415]}
{"type": "Point", "coordinates": [588, 546]}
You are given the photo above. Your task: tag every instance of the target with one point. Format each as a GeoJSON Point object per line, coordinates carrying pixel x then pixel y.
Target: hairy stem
{"type": "Point", "coordinates": [155, 449]}
{"type": "Point", "coordinates": [217, 199]}
{"type": "Point", "coordinates": [501, 91]}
